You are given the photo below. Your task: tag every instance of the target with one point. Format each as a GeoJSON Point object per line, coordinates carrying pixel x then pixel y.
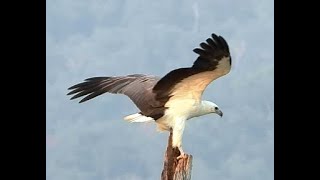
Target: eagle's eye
{"type": "Point", "coordinates": [216, 108]}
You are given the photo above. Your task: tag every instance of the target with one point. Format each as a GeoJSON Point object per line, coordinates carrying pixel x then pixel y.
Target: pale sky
{"type": "Point", "coordinates": [91, 141]}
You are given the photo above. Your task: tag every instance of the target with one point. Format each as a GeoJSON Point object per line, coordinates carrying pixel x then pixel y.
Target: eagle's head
{"type": "Point", "coordinates": [210, 107]}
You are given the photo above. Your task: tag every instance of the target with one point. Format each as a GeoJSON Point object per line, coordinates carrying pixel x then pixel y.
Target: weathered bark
{"type": "Point", "coordinates": [174, 169]}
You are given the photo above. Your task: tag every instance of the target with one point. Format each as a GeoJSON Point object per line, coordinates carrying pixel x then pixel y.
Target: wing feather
{"type": "Point", "coordinates": [137, 87]}
{"type": "Point", "coordinates": [214, 61]}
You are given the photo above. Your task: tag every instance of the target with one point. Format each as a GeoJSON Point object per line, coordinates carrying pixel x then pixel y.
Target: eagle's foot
{"type": "Point", "coordinates": [182, 154]}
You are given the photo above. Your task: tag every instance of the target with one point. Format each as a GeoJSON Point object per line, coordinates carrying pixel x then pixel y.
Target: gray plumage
{"type": "Point", "coordinates": [137, 87]}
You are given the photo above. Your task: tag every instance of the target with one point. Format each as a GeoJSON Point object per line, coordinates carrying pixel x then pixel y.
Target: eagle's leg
{"type": "Point", "coordinates": [177, 132]}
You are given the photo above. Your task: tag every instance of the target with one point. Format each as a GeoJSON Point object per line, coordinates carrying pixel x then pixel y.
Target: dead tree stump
{"type": "Point", "coordinates": [174, 169]}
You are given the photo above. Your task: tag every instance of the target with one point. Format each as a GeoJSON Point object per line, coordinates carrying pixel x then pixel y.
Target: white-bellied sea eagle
{"type": "Point", "coordinates": [173, 99]}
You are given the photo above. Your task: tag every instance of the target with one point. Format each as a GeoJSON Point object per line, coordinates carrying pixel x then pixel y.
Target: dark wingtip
{"type": "Point", "coordinates": [73, 97]}
{"type": "Point", "coordinates": [96, 78]}
{"type": "Point", "coordinates": [69, 93]}
{"type": "Point", "coordinates": [197, 50]}
{"type": "Point", "coordinates": [70, 88]}
{"type": "Point", "coordinates": [81, 101]}
{"type": "Point", "coordinates": [84, 100]}
{"type": "Point", "coordinates": [224, 43]}
{"type": "Point", "coordinates": [214, 36]}
{"type": "Point", "coordinates": [74, 86]}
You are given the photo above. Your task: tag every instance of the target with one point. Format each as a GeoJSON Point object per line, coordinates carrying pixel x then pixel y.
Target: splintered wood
{"type": "Point", "coordinates": [174, 169]}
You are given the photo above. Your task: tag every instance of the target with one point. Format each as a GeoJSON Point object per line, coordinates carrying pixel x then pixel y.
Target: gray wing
{"type": "Point", "coordinates": [137, 87]}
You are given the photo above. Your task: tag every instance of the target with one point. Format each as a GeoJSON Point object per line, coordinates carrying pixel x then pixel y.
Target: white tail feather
{"type": "Point", "coordinates": [138, 118]}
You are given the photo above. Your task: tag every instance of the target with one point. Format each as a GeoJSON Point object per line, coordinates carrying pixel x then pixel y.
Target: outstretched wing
{"type": "Point", "coordinates": [213, 62]}
{"type": "Point", "coordinates": [137, 87]}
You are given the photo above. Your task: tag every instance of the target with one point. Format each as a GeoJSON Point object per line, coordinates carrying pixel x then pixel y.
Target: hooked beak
{"type": "Point", "coordinates": [219, 112]}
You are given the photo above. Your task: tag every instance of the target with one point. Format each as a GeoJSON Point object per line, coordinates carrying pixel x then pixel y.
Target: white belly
{"type": "Point", "coordinates": [177, 113]}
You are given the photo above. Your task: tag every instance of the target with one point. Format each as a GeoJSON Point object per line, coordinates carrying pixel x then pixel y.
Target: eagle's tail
{"type": "Point", "coordinates": [138, 118]}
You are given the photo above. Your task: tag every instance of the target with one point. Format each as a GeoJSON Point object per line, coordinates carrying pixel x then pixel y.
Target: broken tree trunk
{"type": "Point", "coordinates": [174, 169]}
